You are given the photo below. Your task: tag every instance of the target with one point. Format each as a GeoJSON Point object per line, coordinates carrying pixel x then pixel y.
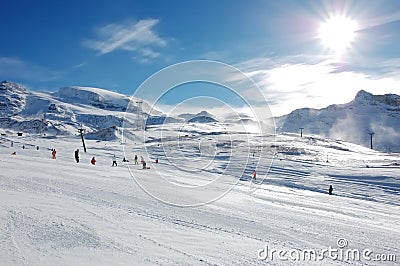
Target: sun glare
{"type": "Point", "coordinates": [338, 33]}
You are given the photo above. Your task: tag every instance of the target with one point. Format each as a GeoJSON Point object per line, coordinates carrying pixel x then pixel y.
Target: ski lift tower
{"type": "Point", "coordinates": [43, 124]}
{"type": "Point", "coordinates": [301, 131]}
{"type": "Point", "coordinates": [139, 116]}
{"type": "Point", "coordinates": [81, 131]}
{"type": "Point", "coordinates": [371, 134]}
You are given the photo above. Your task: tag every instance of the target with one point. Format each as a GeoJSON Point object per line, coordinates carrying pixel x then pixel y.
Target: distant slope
{"type": "Point", "coordinates": [62, 112]}
{"type": "Point", "coordinates": [352, 121]}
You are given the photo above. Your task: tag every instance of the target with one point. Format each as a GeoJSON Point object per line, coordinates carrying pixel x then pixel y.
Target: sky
{"type": "Point", "coordinates": [117, 45]}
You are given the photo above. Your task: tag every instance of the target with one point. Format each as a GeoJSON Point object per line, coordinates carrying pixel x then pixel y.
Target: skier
{"type": "Point", "coordinates": [23, 147]}
{"type": "Point", "coordinates": [93, 161]}
{"type": "Point", "coordinates": [254, 175]}
{"type": "Point", "coordinates": [77, 155]}
{"type": "Point", "coordinates": [144, 164]}
{"type": "Point", "coordinates": [136, 158]}
{"type": "Point", "coordinates": [12, 143]}
{"type": "Point", "coordinates": [37, 148]}
{"type": "Point", "coordinates": [125, 160]}
{"type": "Point", "coordinates": [53, 154]}
{"type": "Point", "coordinates": [114, 159]}
{"type": "Point", "coordinates": [14, 153]}
{"type": "Point", "coordinates": [156, 160]}
{"type": "Point", "coordinates": [330, 190]}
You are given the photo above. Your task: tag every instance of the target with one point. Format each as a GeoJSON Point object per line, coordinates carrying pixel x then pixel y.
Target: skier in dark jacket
{"type": "Point", "coordinates": [114, 161]}
{"type": "Point", "coordinates": [330, 190]}
{"type": "Point", "coordinates": [77, 155]}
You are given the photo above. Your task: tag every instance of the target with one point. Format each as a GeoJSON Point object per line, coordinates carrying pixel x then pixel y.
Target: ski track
{"type": "Point", "coordinates": [59, 212]}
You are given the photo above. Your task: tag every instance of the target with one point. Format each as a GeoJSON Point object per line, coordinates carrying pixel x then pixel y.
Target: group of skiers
{"type": "Point", "coordinates": [93, 160]}
{"type": "Point", "coordinates": [143, 162]}
{"type": "Point", "coordinates": [114, 162]}
{"type": "Point", "coordinates": [23, 147]}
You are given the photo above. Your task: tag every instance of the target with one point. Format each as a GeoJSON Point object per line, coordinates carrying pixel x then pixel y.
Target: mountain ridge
{"type": "Point", "coordinates": [99, 110]}
{"type": "Point", "coordinates": [352, 121]}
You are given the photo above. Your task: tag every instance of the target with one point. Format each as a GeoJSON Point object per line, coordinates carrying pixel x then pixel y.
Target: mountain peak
{"type": "Point", "coordinates": [205, 113]}
{"type": "Point", "coordinates": [12, 86]}
{"type": "Point", "coordinates": [386, 99]}
{"type": "Point", "coordinates": [363, 94]}
{"type": "Point", "coordinates": [202, 117]}
{"type": "Point", "coordinates": [12, 98]}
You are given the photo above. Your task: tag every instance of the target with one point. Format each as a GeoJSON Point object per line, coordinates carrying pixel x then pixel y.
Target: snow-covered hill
{"type": "Point", "coordinates": [352, 122]}
{"type": "Point", "coordinates": [98, 111]}
{"type": "Point", "coordinates": [59, 212]}
{"type": "Point", "coordinates": [12, 98]}
{"type": "Point", "coordinates": [63, 111]}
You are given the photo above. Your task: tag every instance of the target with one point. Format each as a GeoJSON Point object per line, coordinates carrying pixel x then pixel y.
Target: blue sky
{"type": "Point", "coordinates": [118, 44]}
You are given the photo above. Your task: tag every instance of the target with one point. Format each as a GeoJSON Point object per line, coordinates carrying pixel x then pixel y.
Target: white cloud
{"type": "Point", "coordinates": [134, 37]}
{"type": "Point", "coordinates": [146, 55]}
{"type": "Point", "coordinates": [293, 84]}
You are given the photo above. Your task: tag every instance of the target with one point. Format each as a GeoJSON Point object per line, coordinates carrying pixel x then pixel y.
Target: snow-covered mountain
{"type": "Point", "coordinates": [352, 121]}
{"type": "Point", "coordinates": [102, 112]}
{"type": "Point", "coordinates": [201, 117]}
{"type": "Point", "coordinates": [63, 111]}
{"type": "Point", "coordinates": [12, 98]}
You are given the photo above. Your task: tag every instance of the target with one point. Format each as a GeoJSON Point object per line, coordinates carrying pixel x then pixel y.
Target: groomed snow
{"type": "Point", "coordinates": [58, 212]}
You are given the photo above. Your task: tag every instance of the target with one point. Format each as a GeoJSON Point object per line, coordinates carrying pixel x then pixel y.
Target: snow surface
{"type": "Point", "coordinates": [58, 212]}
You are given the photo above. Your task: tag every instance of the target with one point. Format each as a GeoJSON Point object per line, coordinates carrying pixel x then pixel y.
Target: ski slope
{"type": "Point", "coordinates": [58, 212]}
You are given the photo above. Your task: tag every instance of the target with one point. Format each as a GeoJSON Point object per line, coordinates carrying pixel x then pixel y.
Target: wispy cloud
{"type": "Point", "coordinates": [138, 37]}
{"type": "Point", "coordinates": [145, 55]}
{"type": "Point", "coordinates": [379, 21]}
{"type": "Point", "coordinates": [15, 68]}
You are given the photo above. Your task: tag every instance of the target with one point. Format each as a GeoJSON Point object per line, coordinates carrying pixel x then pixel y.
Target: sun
{"type": "Point", "coordinates": [338, 33]}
